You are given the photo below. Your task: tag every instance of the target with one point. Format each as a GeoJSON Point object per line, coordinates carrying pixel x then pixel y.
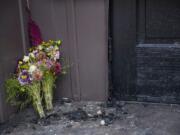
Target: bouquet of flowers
{"type": "Point", "coordinates": [35, 77]}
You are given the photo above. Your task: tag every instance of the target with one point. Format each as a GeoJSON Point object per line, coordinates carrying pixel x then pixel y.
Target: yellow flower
{"type": "Point", "coordinates": [20, 62]}
{"type": "Point", "coordinates": [59, 42]}
{"type": "Point", "coordinates": [24, 77]}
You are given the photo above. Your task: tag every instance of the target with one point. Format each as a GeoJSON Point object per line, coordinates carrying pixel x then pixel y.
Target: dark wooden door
{"type": "Point", "coordinates": [146, 50]}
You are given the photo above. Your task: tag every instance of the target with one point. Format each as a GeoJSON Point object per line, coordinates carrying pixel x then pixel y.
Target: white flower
{"type": "Point", "coordinates": [31, 55]}
{"type": "Point", "coordinates": [35, 51]}
{"type": "Point", "coordinates": [26, 58]}
{"type": "Point", "coordinates": [48, 49]}
{"type": "Point", "coordinates": [32, 68]}
{"type": "Point", "coordinates": [40, 47]}
{"type": "Point", "coordinates": [57, 55]}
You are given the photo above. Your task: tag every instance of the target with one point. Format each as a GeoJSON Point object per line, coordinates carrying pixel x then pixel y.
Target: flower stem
{"type": "Point", "coordinates": [34, 91]}
{"type": "Point", "coordinates": [47, 85]}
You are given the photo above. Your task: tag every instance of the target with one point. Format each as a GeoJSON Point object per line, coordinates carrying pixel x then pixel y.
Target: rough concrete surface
{"type": "Point", "coordinates": [96, 118]}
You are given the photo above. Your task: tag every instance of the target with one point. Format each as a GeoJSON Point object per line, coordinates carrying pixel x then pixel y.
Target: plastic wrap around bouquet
{"type": "Point", "coordinates": [35, 77]}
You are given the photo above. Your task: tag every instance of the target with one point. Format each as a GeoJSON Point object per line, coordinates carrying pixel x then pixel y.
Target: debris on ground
{"type": "Point", "coordinates": [97, 118]}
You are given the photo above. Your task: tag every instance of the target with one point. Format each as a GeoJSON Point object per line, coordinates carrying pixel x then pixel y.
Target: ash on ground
{"type": "Point", "coordinates": [97, 118]}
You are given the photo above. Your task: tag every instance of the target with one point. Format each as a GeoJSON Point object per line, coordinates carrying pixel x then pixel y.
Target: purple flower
{"type": "Point", "coordinates": [49, 64]}
{"type": "Point", "coordinates": [35, 52]}
{"type": "Point", "coordinates": [39, 63]}
{"type": "Point", "coordinates": [24, 78]}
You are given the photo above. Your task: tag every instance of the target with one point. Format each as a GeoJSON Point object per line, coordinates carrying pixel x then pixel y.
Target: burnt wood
{"type": "Point", "coordinates": [124, 42]}
{"type": "Point", "coordinates": [145, 50]}
{"type": "Point", "coordinates": [158, 72]}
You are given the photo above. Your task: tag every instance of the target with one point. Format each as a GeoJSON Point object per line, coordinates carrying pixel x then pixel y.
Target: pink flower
{"type": "Point", "coordinates": [37, 75]}
{"type": "Point", "coordinates": [57, 55]}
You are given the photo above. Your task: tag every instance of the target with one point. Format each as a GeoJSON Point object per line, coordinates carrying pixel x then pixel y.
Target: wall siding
{"type": "Point", "coordinates": [82, 26]}
{"type": "Point", "coordinates": [11, 48]}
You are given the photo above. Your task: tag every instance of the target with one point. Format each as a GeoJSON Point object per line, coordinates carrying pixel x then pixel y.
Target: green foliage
{"type": "Point", "coordinates": [16, 94]}
{"type": "Point", "coordinates": [22, 95]}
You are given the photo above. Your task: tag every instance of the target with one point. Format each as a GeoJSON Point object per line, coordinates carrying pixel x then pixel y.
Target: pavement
{"type": "Point", "coordinates": [97, 118]}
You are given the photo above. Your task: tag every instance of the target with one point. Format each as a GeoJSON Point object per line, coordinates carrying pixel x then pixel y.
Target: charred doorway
{"type": "Point", "coordinates": [145, 54]}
